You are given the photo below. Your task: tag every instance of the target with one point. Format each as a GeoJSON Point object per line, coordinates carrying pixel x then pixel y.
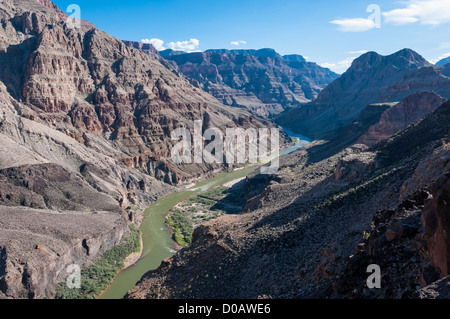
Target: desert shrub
{"type": "Point", "coordinates": [97, 277]}
{"type": "Point", "coordinates": [182, 227]}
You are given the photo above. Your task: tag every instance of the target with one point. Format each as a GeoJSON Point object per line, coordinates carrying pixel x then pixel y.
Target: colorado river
{"type": "Point", "coordinates": [156, 236]}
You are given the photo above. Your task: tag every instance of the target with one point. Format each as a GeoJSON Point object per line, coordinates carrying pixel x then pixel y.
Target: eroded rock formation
{"type": "Point", "coordinates": [260, 80]}
{"type": "Point", "coordinates": [85, 125]}
{"type": "Point", "coordinates": [409, 111]}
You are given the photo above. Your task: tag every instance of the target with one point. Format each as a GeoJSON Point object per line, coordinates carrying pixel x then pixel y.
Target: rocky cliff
{"type": "Point", "coordinates": [85, 125]}
{"type": "Point", "coordinates": [409, 111]}
{"type": "Point", "coordinates": [83, 81]}
{"type": "Point", "coordinates": [260, 80]}
{"type": "Point", "coordinates": [145, 47]}
{"type": "Point", "coordinates": [372, 78]}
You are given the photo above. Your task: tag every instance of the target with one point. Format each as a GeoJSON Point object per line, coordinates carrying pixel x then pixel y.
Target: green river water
{"type": "Point", "coordinates": [156, 236]}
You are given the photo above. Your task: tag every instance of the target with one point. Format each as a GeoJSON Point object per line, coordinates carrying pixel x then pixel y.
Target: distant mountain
{"type": "Point", "coordinates": [294, 59]}
{"type": "Point", "coordinates": [170, 52]}
{"type": "Point", "coordinates": [265, 53]}
{"type": "Point", "coordinates": [372, 78]}
{"type": "Point", "coordinates": [262, 81]}
{"type": "Point", "coordinates": [443, 61]}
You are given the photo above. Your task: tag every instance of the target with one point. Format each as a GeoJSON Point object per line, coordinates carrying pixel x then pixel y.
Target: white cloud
{"type": "Point", "coordinates": [400, 16]}
{"type": "Point", "coordinates": [429, 12]}
{"type": "Point", "coordinates": [358, 52]}
{"type": "Point", "coordinates": [347, 62]}
{"type": "Point", "coordinates": [157, 43]}
{"type": "Point", "coordinates": [186, 46]}
{"type": "Point", "coordinates": [339, 67]}
{"type": "Point", "coordinates": [237, 43]}
{"type": "Point", "coordinates": [354, 25]}
{"type": "Point", "coordinates": [434, 61]}
{"type": "Point", "coordinates": [327, 65]}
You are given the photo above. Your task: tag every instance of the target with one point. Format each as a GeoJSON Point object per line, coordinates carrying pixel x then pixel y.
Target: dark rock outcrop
{"type": "Point", "coordinates": [410, 244]}
{"type": "Point", "coordinates": [397, 245]}
{"type": "Point", "coordinates": [436, 221]}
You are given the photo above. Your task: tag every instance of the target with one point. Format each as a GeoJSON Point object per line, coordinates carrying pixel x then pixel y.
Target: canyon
{"type": "Point", "coordinates": [85, 149]}
{"type": "Point", "coordinates": [365, 193]}
{"type": "Point", "coordinates": [85, 126]}
{"type": "Point", "coordinates": [311, 230]}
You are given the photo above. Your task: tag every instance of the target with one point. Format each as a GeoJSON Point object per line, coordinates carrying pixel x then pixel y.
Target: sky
{"type": "Point", "coordinates": [329, 32]}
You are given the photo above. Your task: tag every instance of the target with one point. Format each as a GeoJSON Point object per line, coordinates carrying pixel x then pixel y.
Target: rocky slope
{"type": "Point", "coordinates": [372, 78]}
{"type": "Point", "coordinates": [85, 126]}
{"type": "Point", "coordinates": [409, 243]}
{"type": "Point", "coordinates": [409, 111]}
{"type": "Point", "coordinates": [409, 240]}
{"type": "Point", "coordinates": [260, 80]}
{"type": "Point", "coordinates": [294, 238]}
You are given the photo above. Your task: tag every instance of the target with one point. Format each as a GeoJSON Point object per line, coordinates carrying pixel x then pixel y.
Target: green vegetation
{"type": "Point", "coordinates": [216, 194]}
{"type": "Point", "coordinates": [182, 227]}
{"type": "Point", "coordinates": [200, 200]}
{"type": "Point", "coordinates": [97, 277]}
{"type": "Point", "coordinates": [366, 235]}
{"type": "Point", "coordinates": [295, 140]}
{"type": "Point", "coordinates": [202, 208]}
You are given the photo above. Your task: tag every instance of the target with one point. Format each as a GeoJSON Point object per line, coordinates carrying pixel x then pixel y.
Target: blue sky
{"type": "Point", "coordinates": [331, 33]}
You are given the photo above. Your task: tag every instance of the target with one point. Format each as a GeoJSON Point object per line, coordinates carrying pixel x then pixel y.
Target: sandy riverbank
{"type": "Point", "coordinates": [234, 182]}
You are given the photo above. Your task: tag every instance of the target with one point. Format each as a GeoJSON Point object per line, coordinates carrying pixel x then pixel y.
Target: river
{"type": "Point", "coordinates": [156, 236]}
